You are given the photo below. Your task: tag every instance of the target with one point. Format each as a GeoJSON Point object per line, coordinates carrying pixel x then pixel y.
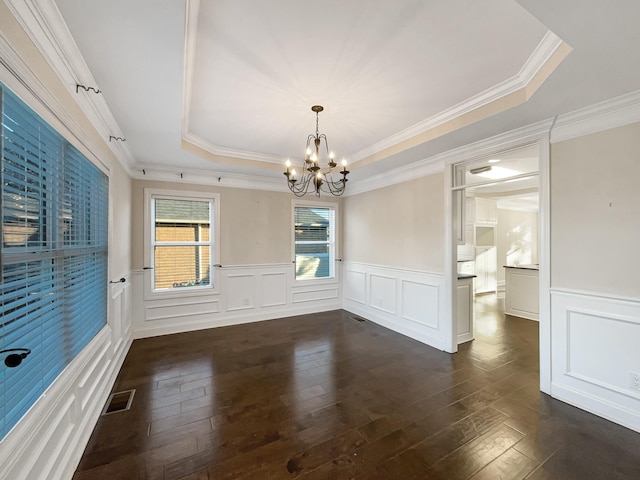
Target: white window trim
{"type": "Point", "coordinates": [334, 241]}
{"type": "Point", "coordinates": [149, 195]}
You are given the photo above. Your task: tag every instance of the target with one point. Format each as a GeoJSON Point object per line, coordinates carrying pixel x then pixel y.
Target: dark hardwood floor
{"type": "Point", "coordinates": [325, 396]}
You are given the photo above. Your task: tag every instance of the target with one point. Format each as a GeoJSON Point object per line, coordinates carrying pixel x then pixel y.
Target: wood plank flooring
{"type": "Point", "coordinates": [327, 397]}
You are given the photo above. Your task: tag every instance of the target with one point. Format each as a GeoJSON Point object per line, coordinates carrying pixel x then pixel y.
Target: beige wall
{"type": "Point", "coordinates": [595, 212]}
{"type": "Point", "coordinates": [516, 239]}
{"type": "Point", "coordinates": [120, 260]}
{"type": "Point", "coordinates": [398, 226]}
{"type": "Point", "coordinates": [255, 225]}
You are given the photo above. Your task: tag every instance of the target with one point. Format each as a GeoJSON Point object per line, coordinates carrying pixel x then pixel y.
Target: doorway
{"type": "Point", "coordinates": [514, 179]}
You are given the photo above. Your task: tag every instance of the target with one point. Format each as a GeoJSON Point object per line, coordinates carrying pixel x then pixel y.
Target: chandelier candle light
{"type": "Point", "coordinates": [312, 174]}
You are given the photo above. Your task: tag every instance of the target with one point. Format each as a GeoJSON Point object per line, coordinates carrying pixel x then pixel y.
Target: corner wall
{"type": "Point", "coordinates": [394, 258]}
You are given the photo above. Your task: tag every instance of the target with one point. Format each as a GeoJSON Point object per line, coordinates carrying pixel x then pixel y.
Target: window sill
{"type": "Point", "coordinates": [182, 293]}
{"type": "Point", "coordinates": [312, 282]}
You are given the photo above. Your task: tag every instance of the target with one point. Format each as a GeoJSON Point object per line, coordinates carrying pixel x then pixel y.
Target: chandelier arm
{"type": "Point", "coordinates": [303, 185]}
{"type": "Point", "coordinates": [333, 191]}
{"type": "Point", "coordinates": [326, 147]}
{"type": "Point", "coordinates": [336, 187]}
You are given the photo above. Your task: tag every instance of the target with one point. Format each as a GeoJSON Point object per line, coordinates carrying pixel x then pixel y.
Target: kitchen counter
{"type": "Point", "coordinates": [521, 291]}
{"type": "Point", "coordinates": [462, 276]}
{"type": "Point", "coordinates": [464, 309]}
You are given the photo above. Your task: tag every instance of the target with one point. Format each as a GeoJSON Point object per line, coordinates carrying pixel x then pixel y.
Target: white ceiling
{"type": "Point", "coordinates": [234, 80]}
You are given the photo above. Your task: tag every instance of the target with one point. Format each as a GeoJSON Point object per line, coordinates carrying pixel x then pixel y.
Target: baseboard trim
{"type": "Point", "coordinates": [229, 320]}
{"type": "Point", "coordinates": [419, 334]}
{"type": "Point", "coordinates": [598, 406]}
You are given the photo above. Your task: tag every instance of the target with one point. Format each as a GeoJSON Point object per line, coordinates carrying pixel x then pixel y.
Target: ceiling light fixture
{"type": "Point", "coordinates": [311, 173]}
{"type": "Point", "coordinates": [476, 171]}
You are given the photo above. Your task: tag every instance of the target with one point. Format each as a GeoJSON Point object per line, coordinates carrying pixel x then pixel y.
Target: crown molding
{"type": "Point", "coordinates": [45, 26]}
{"type": "Point", "coordinates": [612, 113]}
{"type": "Point", "coordinates": [206, 177]}
{"type": "Point", "coordinates": [471, 152]}
{"type": "Point", "coordinates": [543, 52]}
{"type": "Point", "coordinates": [230, 152]}
{"type": "Point", "coordinates": [499, 143]}
{"type": "Point", "coordinates": [422, 168]}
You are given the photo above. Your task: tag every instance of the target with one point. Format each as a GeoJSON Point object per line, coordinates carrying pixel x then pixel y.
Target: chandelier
{"type": "Point", "coordinates": [311, 173]}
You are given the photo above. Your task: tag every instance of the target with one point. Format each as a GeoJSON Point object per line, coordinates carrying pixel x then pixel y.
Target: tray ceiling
{"type": "Point", "coordinates": [226, 85]}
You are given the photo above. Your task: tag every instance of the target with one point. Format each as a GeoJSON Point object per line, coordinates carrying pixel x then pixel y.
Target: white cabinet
{"type": "Point", "coordinates": [486, 211]}
{"type": "Point", "coordinates": [481, 217]}
{"type": "Point", "coordinates": [521, 292]}
{"type": "Point", "coordinates": [486, 270]}
{"type": "Point", "coordinates": [466, 251]}
{"type": "Point", "coordinates": [481, 210]}
{"type": "Point", "coordinates": [464, 303]}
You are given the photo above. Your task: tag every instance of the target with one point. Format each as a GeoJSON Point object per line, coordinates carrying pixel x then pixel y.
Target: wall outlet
{"type": "Point", "coordinates": [635, 381]}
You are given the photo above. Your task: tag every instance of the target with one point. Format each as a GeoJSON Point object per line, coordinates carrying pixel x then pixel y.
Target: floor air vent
{"type": "Point", "coordinates": [357, 319]}
{"type": "Point", "coordinates": [118, 402]}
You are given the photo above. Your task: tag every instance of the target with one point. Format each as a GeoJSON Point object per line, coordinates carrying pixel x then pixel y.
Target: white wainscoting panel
{"type": "Point", "coordinates": [419, 302]}
{"type": "Point", "coordinates": [318, 293]}
{"type": "Point", "coordinates": [406, 301]}
{"type": "Point", "coordinates": [594, 354]}
{"type": "Point", "coordinates": [274, 289]}
{"type": "Point", "coordinates": [115, 308]}
{"type": "Point", "coordinates": [355, 286]}
{"type": "Point", "coordinates": [246, 293]}
{"type": "Point", "coordinates": [240, 290]}
{"type": "Point", "coordinates": [120, 311]}
{"type": "Point", "coordinates": [192, 307]}
{"type": "Point", "coordinates": [50, 439]}
{"type": "Point", "coordinates": [382, 295]}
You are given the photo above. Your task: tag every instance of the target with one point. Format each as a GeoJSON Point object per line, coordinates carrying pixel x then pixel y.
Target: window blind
{"type": "Point", "coordinates": [314, 242]}
{"type": "Point", "coordinates": [54, 252]}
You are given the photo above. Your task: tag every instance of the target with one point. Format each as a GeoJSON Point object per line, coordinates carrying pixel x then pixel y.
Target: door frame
{"type": "Point", "coordinates": [540, 134]}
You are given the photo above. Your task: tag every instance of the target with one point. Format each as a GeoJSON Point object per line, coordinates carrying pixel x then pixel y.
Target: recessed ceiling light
{"type": "Point", "coordinates": [494, 160]}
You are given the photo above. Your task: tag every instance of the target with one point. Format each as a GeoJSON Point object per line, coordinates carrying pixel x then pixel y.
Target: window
{"type": "Point", "coordinates": [182, 241]}
{"type": "Point", "coordinates": [54, 253]}
{"type": "Point", "coordinates": [314, 241]}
